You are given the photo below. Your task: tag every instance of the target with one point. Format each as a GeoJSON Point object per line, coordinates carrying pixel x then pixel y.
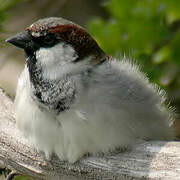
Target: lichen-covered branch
{"type": "Point", "coordinates": [146, 160]}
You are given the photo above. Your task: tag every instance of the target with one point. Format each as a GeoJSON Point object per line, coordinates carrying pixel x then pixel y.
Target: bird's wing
{"type": "Point", "coordinates": [119, 92]}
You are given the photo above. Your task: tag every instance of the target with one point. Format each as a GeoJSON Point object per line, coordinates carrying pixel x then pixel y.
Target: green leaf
{"type": "Point", "coordinates": [162, 55]}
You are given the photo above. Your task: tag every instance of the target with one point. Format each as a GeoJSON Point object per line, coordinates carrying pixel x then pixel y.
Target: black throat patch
{"type": "Point", "coordinates": [52, 95]}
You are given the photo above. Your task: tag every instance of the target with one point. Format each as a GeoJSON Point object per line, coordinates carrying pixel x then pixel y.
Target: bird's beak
{"type": "Point", "coordinates": [20, 40]}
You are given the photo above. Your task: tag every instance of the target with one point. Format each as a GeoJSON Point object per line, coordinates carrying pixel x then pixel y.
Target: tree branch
{"type": "Point", "coordinates": [148, 160]}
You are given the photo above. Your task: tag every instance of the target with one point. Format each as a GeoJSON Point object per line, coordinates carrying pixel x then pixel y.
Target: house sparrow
{"type": "Point", "coordinates": [73, 99]}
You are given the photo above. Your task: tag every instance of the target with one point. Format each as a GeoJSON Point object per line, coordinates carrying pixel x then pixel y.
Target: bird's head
{"type": "Point", "coordinates": [56, 42]}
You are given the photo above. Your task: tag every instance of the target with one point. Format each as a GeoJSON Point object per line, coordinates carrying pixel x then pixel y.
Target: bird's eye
{"type": "Point", "coordinates": [49, 40]}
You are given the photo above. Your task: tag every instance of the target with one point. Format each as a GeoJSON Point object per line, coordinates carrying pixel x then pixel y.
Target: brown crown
{"type": "Point", "coordinates": [70, 33]}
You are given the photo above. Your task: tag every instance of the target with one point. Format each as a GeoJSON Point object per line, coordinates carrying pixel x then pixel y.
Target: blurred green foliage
{"type": "Point", "coordinates": [21, 178]}
{"type": "Point", "coordinates": [4, 6]}
{"type": "Point", "coordinates": [148, 31]}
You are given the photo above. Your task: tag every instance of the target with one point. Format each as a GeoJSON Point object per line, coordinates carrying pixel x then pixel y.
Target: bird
{"type": "Point", "coordinates": [72, 99]}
